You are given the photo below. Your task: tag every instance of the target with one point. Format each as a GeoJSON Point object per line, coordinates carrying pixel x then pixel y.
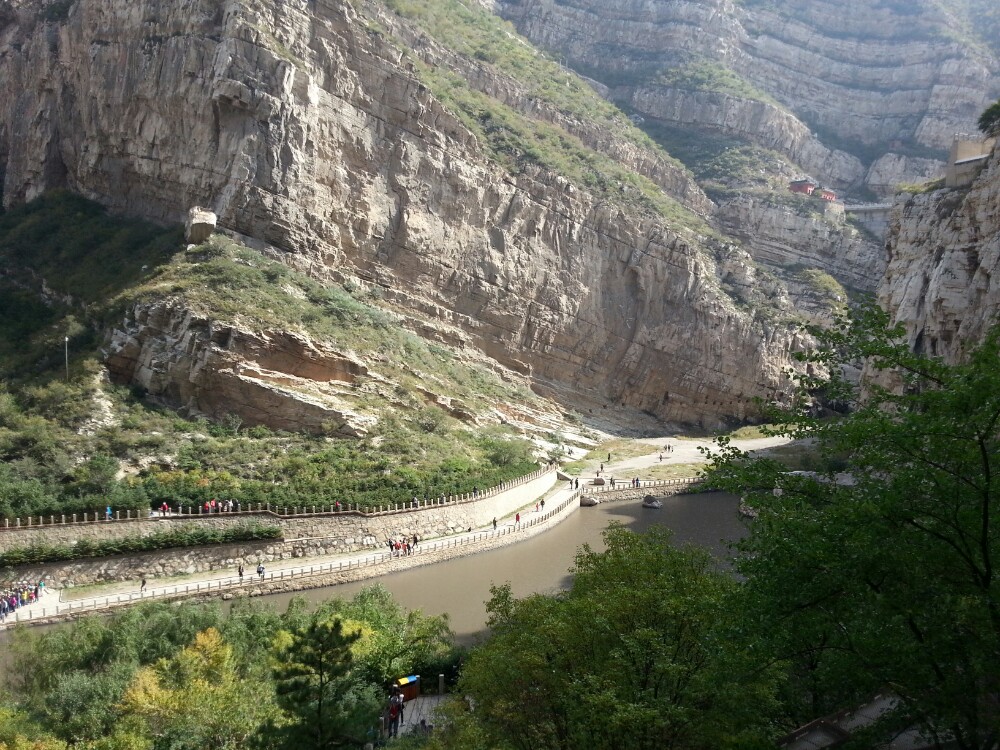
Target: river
{"type": "Point", "coordinates": [461, 587]}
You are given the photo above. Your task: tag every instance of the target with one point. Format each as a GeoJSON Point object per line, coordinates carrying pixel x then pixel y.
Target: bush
{"type": "Point", "coordinates": [185, 536]}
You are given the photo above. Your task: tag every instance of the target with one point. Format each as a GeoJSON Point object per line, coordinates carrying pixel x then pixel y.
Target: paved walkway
{"type": "Point", "coordinates": [674, 451]}
{"type": "Point", "coordinates": [70, 601]}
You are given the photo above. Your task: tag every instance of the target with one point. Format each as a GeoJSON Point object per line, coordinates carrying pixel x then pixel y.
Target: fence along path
{"type": "Point", "coordinates": [626, 484]}
{"type": "Point", "coordinates": [41, 610]}
{"type": "Point", "coordinates": [266, 509]}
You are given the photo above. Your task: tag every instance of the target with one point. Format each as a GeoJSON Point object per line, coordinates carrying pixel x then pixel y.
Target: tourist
{"type": "Point", "coordinates": [543, 505]}
{"type": "Point", "coordinates": [260, 571]}
{"type": "Point", "coordinates": [142, 585]}
{"type": "Point", "coordinates": [517, 519]}
{"type": "Point", "coordinates": [240, 572]}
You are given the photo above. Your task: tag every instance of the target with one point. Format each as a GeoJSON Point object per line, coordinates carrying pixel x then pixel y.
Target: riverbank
{"type": "Point", "coordinates": [294, 575]}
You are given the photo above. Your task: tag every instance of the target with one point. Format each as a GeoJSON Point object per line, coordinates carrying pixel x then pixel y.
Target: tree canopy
{"type": "Point", "coordinates": [632, 656]}
{"type": "Point", "coordinates": [989, 120]}
{"type": "Point", "coordinates": [878, 572]}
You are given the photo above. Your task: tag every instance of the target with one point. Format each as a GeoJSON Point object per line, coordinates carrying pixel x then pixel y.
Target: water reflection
{"type": "Point", "coordinates": [540, 565]}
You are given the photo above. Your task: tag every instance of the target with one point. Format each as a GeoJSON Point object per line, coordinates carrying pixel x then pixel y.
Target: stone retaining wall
{"type": "Point", "coordinates": [305, 536]}
{"type": "Point", "coordinates": [325, 574]}
{"type": "Point", "coordinates": [634, 493]}
{"type": "Point", "coordinates": [344, 531]}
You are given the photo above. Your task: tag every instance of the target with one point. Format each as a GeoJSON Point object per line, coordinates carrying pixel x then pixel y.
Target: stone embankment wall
{"type": "Point", "coordinates": [657, 488]}
{"type": "Point", "coordinates": [315, 576]}
{"type": "Point", "coordinates": [305, 535]}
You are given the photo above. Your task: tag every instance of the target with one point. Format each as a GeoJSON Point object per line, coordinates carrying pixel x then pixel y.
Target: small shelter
{"type": "Point", "coordinates": [804, 186]}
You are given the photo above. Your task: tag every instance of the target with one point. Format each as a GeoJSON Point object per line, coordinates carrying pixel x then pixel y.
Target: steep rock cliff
{"type": "Point", "coordinates": [943, 265]}
{"type": "Point", "coordinates": [781, 236]}
{"type": "Point", "coordinates": [305, 126]}
{"type": "Point", "coordinates": [818, 78]}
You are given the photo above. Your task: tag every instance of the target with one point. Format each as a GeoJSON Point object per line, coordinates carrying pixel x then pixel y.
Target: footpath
{"type": "Point", "coordinates": [300, 573]}
{"type": "Point", "coordinates": [315, 572]}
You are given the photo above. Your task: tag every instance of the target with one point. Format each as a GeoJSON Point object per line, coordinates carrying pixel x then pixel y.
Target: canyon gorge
{"type": "Point", "coordinates": [491, 200]}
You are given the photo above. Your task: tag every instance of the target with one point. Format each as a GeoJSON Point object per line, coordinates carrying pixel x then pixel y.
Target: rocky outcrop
{"type": "Point", "coordinates": [199, 225]}
{"type": "Point", "coordinates": [274, 378]}
{"type": "Point", "coordinates": [944, 257]}
{"type": "Point", "coordinates": [851, 76]}
{"type": "Point", "coordinates": [306, 127]}
{"type": "Point", "coordinates": [758, 122]}
{"type": "Point", "coordinates": [779, 235]}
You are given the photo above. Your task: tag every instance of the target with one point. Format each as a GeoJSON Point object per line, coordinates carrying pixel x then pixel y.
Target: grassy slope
{"type": "Point", "coordinates": [49, 464]}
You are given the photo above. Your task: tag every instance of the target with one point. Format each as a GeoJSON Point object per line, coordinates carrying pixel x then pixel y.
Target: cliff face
{"type": "Point", "coordinates": [305, 125]}
{"type": "Point", "coordinates": [819, 79]}
{"type": "Point", "coordinates": [780, 236]}
{"type": "Point", "coordinates": [944, 260]}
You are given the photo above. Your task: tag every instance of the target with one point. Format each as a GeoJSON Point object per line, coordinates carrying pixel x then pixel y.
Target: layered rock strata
{"type": "Point", "coordinates": [781, 236]}
{"type": "Point", "coordinates": [944, 263]}
{"type": "Point", "coordinates": [275, 378]}
{"type": "Point", "coordinates": [850, 76]}
{"type": "Point", "coordinates": [304, 126]}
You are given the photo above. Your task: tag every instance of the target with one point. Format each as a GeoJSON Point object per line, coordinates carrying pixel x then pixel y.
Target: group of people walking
{"type": "Point", "coordinates": [402, 545]}
{"type": "Point", "coordinates": [18, 596]}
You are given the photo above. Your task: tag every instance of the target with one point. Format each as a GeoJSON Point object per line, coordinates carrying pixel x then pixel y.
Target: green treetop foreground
{"type": "Point", "coordinates": [876, 574]}
{"type": "Point", "coordinates": [880, 573]}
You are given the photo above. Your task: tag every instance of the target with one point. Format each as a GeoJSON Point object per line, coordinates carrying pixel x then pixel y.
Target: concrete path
{"type": "Point", "coordinates": [68, 602]}
{"type": "Point", "coordinates": [683, 452]}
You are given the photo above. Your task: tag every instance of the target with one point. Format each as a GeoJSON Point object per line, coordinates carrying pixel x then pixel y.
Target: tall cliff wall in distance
{"type": "Point", "coordinates": [307, 127]}
{"type": "Point", "coordinates": [836, 87]}
{"type": "Point", "coordinates": [943, 269]}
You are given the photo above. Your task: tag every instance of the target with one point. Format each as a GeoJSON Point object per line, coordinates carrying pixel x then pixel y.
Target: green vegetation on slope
{"type": "Point", "coordinates": [724, 166]}
{"type": "Point", "coordinates": [708, 75]}
{"type": "Point", "coordinates": [83, 258]}
{"type": "Point", "coordinates": [62, 453]}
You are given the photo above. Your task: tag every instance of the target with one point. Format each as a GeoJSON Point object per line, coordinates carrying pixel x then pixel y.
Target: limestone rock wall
{"type": "Point", "coordinates": [302, 125]}
{"type": "Point", "coordinates": [759, 122]}
{"type": "Point", "coordinates": [943, 265]}
{"type": "Point", "coordinates": [779, 236]}
{"type": "Point", "coordinates": [857, 76]}
{"type": "Point", "coordinates": [276, 378]}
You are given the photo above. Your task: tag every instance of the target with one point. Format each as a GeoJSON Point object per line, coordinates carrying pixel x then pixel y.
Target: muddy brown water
{"type": "Point", "coordinates": [461, 587]}
{"type": "Point", "coordinates": [540, 564]}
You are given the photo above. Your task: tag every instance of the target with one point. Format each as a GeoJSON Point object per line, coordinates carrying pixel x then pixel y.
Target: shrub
{"type": "Point", "coordinates": [184, 536]}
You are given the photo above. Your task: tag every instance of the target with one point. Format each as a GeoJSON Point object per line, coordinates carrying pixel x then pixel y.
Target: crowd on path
{"type": "Point", "coordinates": [402, 545]}
{"type": "Point", "coordinates": [19, 595]}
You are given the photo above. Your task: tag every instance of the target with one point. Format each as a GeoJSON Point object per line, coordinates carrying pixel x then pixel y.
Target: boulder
{"type": "Point", "coordinates": [199, 226]}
